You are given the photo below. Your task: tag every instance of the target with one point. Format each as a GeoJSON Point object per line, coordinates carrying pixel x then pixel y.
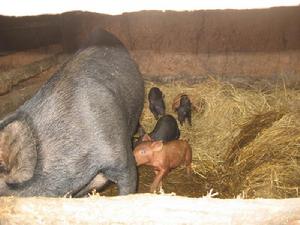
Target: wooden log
{"type": "Point", "coordinates": [10, 78]}
{"type": "Point", "coordinates": [10, 101]}
{"type": "Point", "coordinates": [20, 92]}
{"type": "Point", "coordinates": [148, 209]}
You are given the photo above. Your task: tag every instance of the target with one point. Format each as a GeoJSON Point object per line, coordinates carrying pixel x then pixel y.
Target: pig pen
{"type": "Point", "coordinates": [245, 141]}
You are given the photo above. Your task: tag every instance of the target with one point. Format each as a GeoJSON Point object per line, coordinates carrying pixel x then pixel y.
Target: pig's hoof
{"type": "Point", "coordinates": [161, 190]}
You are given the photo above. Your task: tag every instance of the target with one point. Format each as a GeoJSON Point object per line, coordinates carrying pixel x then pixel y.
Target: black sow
{"type": "Point", "coordinates": [75, 133]}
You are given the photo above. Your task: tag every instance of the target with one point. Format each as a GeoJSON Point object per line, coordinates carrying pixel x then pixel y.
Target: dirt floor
{"type": "Point", "coordinates": [176, 182]}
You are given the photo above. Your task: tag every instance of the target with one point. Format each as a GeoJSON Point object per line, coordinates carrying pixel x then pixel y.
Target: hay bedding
{"type": "Point", "coordinates": [245, 142]}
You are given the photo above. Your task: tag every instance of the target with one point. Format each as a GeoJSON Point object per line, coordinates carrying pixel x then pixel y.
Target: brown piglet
{"type": "Point", "coordinates": [163, 157]}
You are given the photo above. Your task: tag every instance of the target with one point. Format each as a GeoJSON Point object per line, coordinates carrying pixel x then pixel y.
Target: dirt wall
{"type": "Point", "coordinates": [20, 33]}
{"type": "Point", "coordinates": [261, 43]}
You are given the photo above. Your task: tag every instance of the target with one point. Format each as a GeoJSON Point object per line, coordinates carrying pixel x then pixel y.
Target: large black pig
{"type": "Point", "coordinates": [75, 132]}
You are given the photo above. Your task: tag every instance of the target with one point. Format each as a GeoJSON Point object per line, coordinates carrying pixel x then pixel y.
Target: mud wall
{"type": "Point", "coordinates": [19, 33]}
{"type": "Point", "coordinates": [231, 44]}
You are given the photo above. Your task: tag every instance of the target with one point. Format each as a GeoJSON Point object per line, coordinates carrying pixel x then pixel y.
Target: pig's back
{"type": "Point", "coordinates": [175, 151]}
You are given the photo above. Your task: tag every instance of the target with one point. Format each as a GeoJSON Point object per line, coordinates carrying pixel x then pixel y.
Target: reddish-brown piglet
{"type": "Point", "coordinates": [163, 157]}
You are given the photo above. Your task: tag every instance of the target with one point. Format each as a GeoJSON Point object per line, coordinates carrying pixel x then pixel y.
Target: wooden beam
{"type": "Point", "coordinates": [148, 209]}
{"type": "Point", "coordinates": [13, 77]}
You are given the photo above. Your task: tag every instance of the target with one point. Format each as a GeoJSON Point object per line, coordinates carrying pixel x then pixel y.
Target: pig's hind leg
{"type": "Point", "coordinates": [125, 177]}
{"type": "Point", "coordinates": [126, 181]}
{"type": "Point", "coordinates": [97, 183]}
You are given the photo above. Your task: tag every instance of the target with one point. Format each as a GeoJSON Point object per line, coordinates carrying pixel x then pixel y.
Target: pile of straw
{"type": "Point", "coordinates": [245, 141]}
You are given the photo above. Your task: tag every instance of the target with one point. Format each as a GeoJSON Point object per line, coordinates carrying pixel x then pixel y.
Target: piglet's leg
{"type": "Point", "coordinates": [160, 183]}
{"type": "Point", "coordinates": [157, 180]}
{"type": "Point", "coordinates": [189, 170]}
{"type": "Point", "coordinates": [189, 118]}
{"type": "Point", "coordinates": [188, 161]}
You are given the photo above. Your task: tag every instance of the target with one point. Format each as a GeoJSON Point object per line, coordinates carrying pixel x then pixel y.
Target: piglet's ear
{"type": "Point", "coordinates": [157, 146]}
{"type": "Point", "coordinates": [146, 137]}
